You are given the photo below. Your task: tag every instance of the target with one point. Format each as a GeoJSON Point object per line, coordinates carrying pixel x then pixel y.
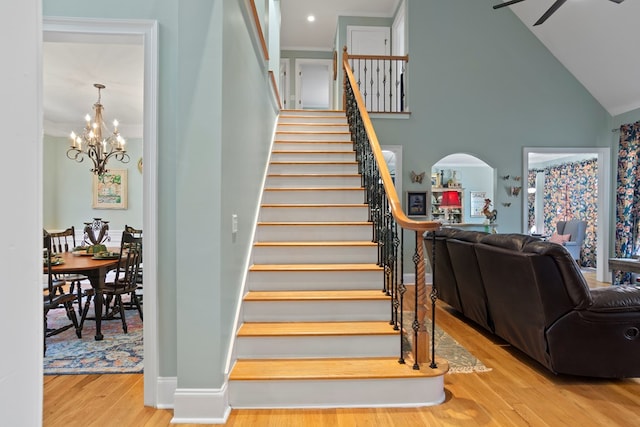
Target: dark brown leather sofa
{"type": "Point", "coordinates": [532, 294]}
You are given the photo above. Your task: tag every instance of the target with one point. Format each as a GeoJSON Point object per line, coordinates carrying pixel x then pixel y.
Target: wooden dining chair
{"type": "Point", "coordinates": [136, 232]}
{"type": "Point", "coordinates": [65, 241]}
{"type": "Point", "coordinates": [125, 282]}
{"type": "Point", "coordinates": [55, 297]}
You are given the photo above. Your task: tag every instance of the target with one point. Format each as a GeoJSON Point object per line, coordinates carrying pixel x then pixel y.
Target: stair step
{"type": "Point", "coordinates": [312, 155]}
{"type": "Point", "coordinates": [313, 212]}
{"type": "Point", "coordinates": [329, 195]}
{"type": "Point", "coordinates": [317, 339]}
{"type": "Point", "coordinates": [312, 180]}
{"type": "Point", "coordinates": [328, 369]}
{"type": "Point", "coordinates": [313, 136]}
{"type": "Point", "coordinates": [318, 127]}
{"type": "Point", "coordinates": [316, 306]}
{"type": "Point", "coordinates": [310, 167]}
{"type": "Point", "coordinates": [302, 252]}
{"type": "Point", "coordinates": [291, 119]}
{"type": "Point", "coordinates": [320, 231]}
{"type": "Point", "coordinates": [324, 113]}
{"type": "Point", "coordinates": [313, 145]}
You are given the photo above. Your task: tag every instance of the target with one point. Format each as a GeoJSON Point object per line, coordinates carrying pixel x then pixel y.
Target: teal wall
{"type": "Point", "coordinates": [209, 164]}
{"type": "Point", "coordinates": [68, 192]}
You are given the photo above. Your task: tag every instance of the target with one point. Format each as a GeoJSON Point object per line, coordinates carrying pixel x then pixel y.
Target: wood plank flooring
{"type": "Point", "coordinates": [517, 392]}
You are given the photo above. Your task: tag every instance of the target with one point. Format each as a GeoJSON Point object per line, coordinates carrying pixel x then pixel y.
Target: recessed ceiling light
{"type": "Point", "coordinates": [311, 18]}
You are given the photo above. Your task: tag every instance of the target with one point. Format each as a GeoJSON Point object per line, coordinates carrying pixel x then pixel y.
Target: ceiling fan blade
{"type": "Point", "coordinates": [509, 3]}
{"type": "Point", "coordinates": [550, 11]}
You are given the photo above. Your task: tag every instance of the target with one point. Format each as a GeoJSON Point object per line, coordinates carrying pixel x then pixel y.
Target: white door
{"type": "Point", "coordinates": [313, 84]}
{"type": "Point", "coordinates": [372, 75]}
{"type": "Point", "coordinates": [285, 82]}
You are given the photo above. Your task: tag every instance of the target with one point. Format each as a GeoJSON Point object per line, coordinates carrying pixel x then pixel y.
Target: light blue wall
{"type": "Point", "coordinates": [209, 165]}
{"type": "Point", "coordinates": [481, 83]}
{"type": "Point", "coordinates": [68, 188]}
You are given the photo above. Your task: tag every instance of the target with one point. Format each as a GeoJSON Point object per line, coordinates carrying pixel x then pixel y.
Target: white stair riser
{"type": "Point", "coordinates": [330, 197]}
{"type": "Point", "coordinates": [307, 233]}
{"type": "Point", "coordinates": [312, 127]}
{"type": "Point", "coordinates": [312, 136]}
{"type": "Point", "coordinates": [318, 346]}
{"type": "Point", "coordinates": [315, 280]}
{"type": "Point", "coordinates": [368, 393]}
{"type": "Point", "coordinates": [323, 113]}
{"type": "Point", "coordinates": [289, 119]}
{"type": "Point", "coordinates": [324, 213]}
{"type": "Point", "coordinates": [316, 311]}
{"type": "Point", "coordinates": [307, 146]}
{"type": "Point", "coordinates": [313, 181]}
{"type": "Point", "coordinates": [288, 156]}
{"type": "Point", "coordinates": [314, 254]}
{"type": "Point", "coordinates": [322, 167]}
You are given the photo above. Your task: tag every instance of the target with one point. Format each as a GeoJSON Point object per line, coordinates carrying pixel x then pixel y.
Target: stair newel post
{"type": "Point", "coordinates": [434, 297]}
{"type": "Point", "coordinates": [421, 344]}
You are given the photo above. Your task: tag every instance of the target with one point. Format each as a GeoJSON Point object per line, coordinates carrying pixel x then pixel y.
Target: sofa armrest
{"type": "Point", "coordinates": [622, 298]}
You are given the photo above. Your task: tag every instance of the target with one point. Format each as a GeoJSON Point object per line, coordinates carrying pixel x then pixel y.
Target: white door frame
{"type": "Point", "coordinates": [604, 199]}
{"type": "Point", "coordinates": [301, 61]}
{"type": "Point", "coordinates": [148, 30]}
{"type": "Point", "coordinates": [285, 83]}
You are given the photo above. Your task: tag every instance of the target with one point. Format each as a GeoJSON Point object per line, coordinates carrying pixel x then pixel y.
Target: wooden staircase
{"type": "Point", "coordinates": [316, 329]}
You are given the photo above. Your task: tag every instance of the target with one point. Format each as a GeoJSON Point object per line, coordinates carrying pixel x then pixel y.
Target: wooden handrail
{"type": "Point", "coordinates": [389, 187]}
{"type": "Point", "coordinates": [274, 86]}
{"type": "Point", "coordinates": [256, 20]}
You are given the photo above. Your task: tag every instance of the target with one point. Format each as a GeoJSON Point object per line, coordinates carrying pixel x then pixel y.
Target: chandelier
{"type": "Point", "coordinates": [92, 144]}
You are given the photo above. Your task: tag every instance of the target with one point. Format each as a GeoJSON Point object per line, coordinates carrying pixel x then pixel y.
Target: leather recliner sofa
{"type": "Point", "coordinates": [532, 294]}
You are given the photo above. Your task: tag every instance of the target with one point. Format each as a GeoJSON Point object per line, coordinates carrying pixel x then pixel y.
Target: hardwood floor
{"type": "Point", "coordinates": [517, 392]}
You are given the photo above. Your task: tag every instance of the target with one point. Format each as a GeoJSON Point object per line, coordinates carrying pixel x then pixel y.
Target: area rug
{"type": "Point", "coordinates": [117, 353]}
{"type": "Point", "coordinates": [460, 360]}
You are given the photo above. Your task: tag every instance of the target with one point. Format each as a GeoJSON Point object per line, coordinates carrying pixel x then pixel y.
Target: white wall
{"type": "Point", "coordinates": [21, 251]}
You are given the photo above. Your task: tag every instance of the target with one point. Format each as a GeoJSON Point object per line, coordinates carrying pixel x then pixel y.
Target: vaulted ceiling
{"type": "Point", "coordinates": [596, 40]}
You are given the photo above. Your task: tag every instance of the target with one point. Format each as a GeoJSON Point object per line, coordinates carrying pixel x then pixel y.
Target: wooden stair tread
{"type": "Point", "coordinates": [316, 132]}
{"type": "Point", "coordinates": [313, 162]}
{"type": "Point", "coordinates": [311, 152]}
{"type": "Point", "coordinates": [314, 205]}
{"type": "Point", "coordinates": [314, 223]}
{"type": "Point", "coordinates": [330, 369]}
{"type": "Point", "coordinates": [275, 329]}
{"type": "Point", "coordinates": [315, 189]}
{"type": "Point", "coordinates": [315, 267]}
{"type": "Point", "coordinates": [313, 123]}
{"type": "Point", "coordinates": [313, 295]}
{"type": "Point", "coordinates": [317, 243]}
{"type": "Point", "coordinates": [314, 175]}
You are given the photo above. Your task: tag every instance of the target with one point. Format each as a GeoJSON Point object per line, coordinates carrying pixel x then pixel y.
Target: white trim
{"type": "Point", "coordinates": [201, 406]}
{"type": "Point", "coordinates": [298, 80]}
{"type": "Point", "coordinates": [166, 387]}
{"type": "Point", "coordinates": [604, 199]}
{"type": "Point", "coordinates": [148, 31]}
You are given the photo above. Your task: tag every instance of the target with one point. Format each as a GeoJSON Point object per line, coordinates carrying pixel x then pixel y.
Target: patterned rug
{"type": "Point", "coordinates": [460, 360]}
{"type": "Point", "coordinates": [117, 353]}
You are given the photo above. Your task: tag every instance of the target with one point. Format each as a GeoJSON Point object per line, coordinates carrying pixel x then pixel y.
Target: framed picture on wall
{"type": "Point", "coordinates": [110, 190]}
{"type": "Point", "coordinates": [416, 203]}
{"type": "Point", "coordinates": [477, 203]}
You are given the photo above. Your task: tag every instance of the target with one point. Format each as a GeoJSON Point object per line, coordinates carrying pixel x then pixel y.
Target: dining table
{"type": "Point", "coordinates": [95, 269]}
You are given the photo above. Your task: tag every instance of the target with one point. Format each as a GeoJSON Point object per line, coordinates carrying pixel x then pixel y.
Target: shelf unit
{"type": "Point", "coordinates": [438, 214]}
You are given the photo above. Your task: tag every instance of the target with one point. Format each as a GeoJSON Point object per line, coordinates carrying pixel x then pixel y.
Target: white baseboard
{"type": "Point", "coordinates": [201, 406]}
{"type": "Point", "coordinates": [166, 388]}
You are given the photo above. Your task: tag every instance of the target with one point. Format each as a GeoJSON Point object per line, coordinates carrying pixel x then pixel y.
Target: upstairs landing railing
{"type": "Point", "coordinates": [389, 226]}
{"type": "Point", "coordinates": [382, 81]}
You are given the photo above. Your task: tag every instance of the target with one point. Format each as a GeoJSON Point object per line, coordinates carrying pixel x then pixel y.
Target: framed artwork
{"type": "Point", "coordinates": [416, 203]}
{"type": "Point", "coordinates": [110, 190]}
{"type": "Point", "coordinates": [477, 203]}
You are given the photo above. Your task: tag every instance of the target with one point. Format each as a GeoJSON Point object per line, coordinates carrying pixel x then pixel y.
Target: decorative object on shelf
{"type": "Point", "coordinates": [417, 177]}
{"type": "Point", "coordinates": [435, 180]}
{"type": "Point", "coordinates": [450, 201]}
{"type": "Point", "coordinates": [490, 214]}
{"type": "Point", "coordinates": [92, 144]}
{"type": "Point", "coordinates": [110, 190]}
{"type": "Point", "coordinates": [442, 183]}
{"type": "Point", "coordinates": [416, 203]}
{"type": "Point", "coordinates": [96, 232]}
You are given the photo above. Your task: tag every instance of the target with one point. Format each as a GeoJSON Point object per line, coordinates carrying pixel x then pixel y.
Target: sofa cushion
{"type": "Point", "coordinates": [622, 298]}
{"type": "Point", "coordinates": [559, 238]}
{"type": "Point", "coordinates": [512, 241]}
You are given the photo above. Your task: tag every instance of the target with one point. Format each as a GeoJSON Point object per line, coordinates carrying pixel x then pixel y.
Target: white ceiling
{"type": "Point", "coordinates": [596, 40]}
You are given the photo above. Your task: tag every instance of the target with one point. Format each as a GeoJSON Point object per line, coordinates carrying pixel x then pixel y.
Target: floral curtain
{"type": "Point", "coordinates": [570, 191]}
{"type": "Point", "coordinates": [627, 194]}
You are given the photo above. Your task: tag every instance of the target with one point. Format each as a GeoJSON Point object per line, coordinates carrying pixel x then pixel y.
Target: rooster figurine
{"type": "Point", "coordinates": [491, 215]}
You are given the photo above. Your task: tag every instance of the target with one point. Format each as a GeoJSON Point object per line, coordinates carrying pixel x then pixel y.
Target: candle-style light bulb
{"type": "Point", "coordinates": [115, 124]}
{"type": "Point", "coordinates": [87, 118]}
